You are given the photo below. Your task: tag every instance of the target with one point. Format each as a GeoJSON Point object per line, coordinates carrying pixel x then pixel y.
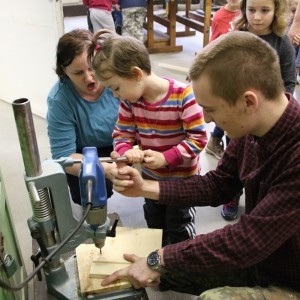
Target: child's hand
{"type": "Point", "coordinates": [154, 159]}
{"type": "Point", "coordinates": [134, 156]}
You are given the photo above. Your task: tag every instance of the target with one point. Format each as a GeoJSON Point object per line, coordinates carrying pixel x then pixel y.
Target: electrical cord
{"type": "Point", "coordinates": [47, 259]}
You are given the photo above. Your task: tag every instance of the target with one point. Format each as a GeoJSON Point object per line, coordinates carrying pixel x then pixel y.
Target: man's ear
{"type": "Point", "coordinates": [137, 72]}
{"type": "Point", "coordinates": [250, 101]}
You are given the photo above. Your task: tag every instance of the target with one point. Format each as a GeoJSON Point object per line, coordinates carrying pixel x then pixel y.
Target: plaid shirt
{"type": "Point", "coordinates": [268, 234]}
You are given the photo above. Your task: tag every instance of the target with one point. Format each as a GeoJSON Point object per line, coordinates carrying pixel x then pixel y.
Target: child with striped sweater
{"type": "Point", "coordinates": [158, 114]}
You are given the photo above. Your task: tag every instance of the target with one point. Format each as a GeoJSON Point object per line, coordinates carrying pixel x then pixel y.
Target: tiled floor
{"type": "Point", "coordinates": [129, 210]}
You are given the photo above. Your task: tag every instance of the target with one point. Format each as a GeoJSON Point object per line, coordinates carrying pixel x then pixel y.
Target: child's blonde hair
{"type": "Point", "coordinates": [280, 21]}
{"type": "Point", "coordinates": [111, 54]}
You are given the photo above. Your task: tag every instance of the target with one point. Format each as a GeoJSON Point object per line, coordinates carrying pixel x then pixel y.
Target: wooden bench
{"type": "Point", "coordinates": [199, 20]}
{"type": "Point", "coordinates": [156, 41]}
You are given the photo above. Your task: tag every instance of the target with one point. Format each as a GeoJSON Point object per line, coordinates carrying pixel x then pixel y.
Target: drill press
{"type": "Point", "coordinates": [53, 224]}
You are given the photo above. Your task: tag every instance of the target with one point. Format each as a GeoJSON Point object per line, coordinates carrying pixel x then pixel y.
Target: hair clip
{"type": "Point", "coordinates": [98, 47]}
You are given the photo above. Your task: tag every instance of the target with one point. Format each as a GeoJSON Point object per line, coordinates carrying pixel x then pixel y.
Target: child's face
{"type": "Point", "coordinates": [124, 88]}
{"type": "Point", "coordinates": [260, 15]}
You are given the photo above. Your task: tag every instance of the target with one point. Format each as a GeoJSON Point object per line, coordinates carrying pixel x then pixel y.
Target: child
{"type": "Point", "coordinates": [134, 14]}
{"type": "Point", "coordinates": [292, 5]}
{"type": "Point", "coordinates": [222, 20]}
{"type": "Point", "coordinates": [100, 13]}
{"type": "Point", "coordinates": [268, 19]}
{"type": "Point", "coordinates": [221, 24]}
{"type": "Point", "coordinates": [161, 116]}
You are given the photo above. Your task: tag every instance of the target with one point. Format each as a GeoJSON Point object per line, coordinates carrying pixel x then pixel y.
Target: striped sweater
{"type": "Point", "coordinates": [173, 126]}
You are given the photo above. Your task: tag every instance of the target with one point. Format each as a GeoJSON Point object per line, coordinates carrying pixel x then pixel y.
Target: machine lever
{"type": "Point", "coordinates": [69, 161]}
{"type": "Point", "coordinates": [112, 231]}
{"type": "Point", "coordinates": [36, 260]}
{"type": "Point", "coordinates": [36, 234]}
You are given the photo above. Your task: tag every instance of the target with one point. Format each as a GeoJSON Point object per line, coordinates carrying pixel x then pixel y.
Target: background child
{"type": "Point", "coordinates": [292, 5]}
{"type": "Point", "coordinates": [221, 24]}
{"type": "Point", "coordinates": [222, 19]}
{"type": "Point", "coordinates": [269, 19]}
{"type": "Point", "coordinates": [100, 13]}
{"type": "Point", "coordinates": [161, 116]}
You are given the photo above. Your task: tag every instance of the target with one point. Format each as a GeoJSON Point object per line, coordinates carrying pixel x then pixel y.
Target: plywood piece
{"type": "Point", "coordinates": [140, 241]}
{"type": "Point", "coordinates": [100, 269]}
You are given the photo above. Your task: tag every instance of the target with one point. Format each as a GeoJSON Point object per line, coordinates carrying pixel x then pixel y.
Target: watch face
{"type": "Point", "coordinates": [153, 259]}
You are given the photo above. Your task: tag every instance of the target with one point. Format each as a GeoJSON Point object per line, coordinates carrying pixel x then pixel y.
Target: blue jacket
{"type": "Point", "coordinates": [132, 3]}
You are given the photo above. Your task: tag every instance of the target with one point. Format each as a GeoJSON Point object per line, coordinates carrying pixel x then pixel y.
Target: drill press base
{"type": "Point", "coordinates": [63, 284]}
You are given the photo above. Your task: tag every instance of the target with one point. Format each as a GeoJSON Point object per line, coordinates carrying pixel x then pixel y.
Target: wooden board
{"type": "Point", "coordinates": [92, 267]}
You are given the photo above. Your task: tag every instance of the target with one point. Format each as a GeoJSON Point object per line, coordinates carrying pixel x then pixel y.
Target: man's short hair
{"type": "Point", "coordinates": [237, 61]}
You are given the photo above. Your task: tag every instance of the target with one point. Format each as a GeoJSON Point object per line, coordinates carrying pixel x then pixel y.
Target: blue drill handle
{"type": "Point", "coordinates": [91, 169]}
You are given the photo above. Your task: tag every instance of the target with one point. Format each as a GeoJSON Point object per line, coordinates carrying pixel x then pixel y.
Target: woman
{"type": "Point", "coordinates": [81, 112]}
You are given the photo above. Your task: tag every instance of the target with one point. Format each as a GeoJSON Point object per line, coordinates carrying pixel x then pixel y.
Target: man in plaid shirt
{"type": "Point", "coordinates": [237, 81]}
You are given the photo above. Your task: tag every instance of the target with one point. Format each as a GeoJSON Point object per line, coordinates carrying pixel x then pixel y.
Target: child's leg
{"type": "Point", "coordinates": [133, 20]}
{"type": "Point", "coordinates": [180, 223]}
{"type": "Point", "coordinates": [218, 132]}
{"type": "Point", "coordinates": [215, 145]}
{"type": "Point", "coordinates": [155, 217]}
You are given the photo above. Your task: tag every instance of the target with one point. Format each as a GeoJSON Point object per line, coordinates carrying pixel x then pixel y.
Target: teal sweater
{"type": "Point", "coordinates": [74, 123]}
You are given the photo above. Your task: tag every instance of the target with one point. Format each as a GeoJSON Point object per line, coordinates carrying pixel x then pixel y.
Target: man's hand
{"type": "Point", "coordinates": [127, 181]}
{"type": "Point", "coordinates": [154, 159]}
{"type": "Point", "coordinates": [139, 274]}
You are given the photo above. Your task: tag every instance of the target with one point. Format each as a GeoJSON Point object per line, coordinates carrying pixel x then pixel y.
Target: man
{"type": "Point", "coordinates": [237, 81]}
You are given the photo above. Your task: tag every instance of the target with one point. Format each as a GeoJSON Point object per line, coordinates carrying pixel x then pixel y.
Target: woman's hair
{"type": "Point", "coordinates": [280, 21]}
{"type": "Point", "coordinates": [69, 46]}
{"type": "Point", "coordinates": [111, 54]}
{"type": "Point", "coordinates": [237, 61]}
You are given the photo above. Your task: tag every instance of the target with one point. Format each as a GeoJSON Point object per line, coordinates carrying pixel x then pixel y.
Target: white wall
{"type": "Point", "coordinates": [29, 31]}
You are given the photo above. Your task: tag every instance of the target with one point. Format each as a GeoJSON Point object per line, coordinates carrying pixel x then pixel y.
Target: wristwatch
{"type": "Point", "coordinates": [153, 262]}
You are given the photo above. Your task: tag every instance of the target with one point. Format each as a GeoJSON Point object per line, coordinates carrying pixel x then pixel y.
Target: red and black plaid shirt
{"type": "Point", "coordinates": [268, 234]}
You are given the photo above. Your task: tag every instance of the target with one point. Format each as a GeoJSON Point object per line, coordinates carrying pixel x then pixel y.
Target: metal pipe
{"type": "Point", "coordinates": [27, 137]}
